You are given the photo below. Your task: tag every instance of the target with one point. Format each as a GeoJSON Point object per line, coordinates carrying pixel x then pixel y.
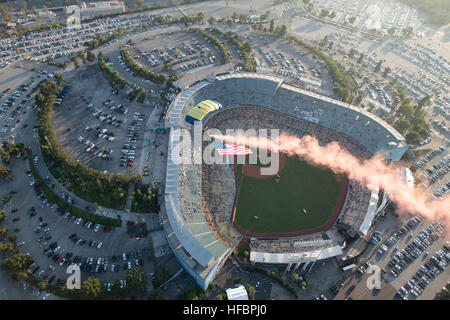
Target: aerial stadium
{"type": "Point", "coordinates": [296, 217]}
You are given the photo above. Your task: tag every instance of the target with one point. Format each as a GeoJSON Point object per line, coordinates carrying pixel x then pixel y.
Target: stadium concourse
{"type": "Point", "coordinates": [198, 206]}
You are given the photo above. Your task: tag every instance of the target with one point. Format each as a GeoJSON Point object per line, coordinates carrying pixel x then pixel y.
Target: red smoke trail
{"type": "Point", "coordinates": [369, 173]}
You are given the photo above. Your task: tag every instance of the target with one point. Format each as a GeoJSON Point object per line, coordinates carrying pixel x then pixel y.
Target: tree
{"type": "Point", "coordinates": [272, 26]}
{"type": "Point", "coordinates": [2, 216]}
{"type": "Point", "coordinates": [17, 262]}
{"type": "Point", "coordinates": [386, 72]}
{"type": "Point", "coordinates": [378, 66]}
{"type": "Point", "coordinates": [330, 45]}
{"type": "Point", "coordinates": [138, 4]}
{"type": "Point", "coordinates": [200, 16]}
{"type": "Point", "coordinates": [20, 28]}
{"type": "Point", "coordinates": [407, 31]}
{"type": "Point", "coordinates": [283, 30]}
{"type": "Point", "coordinates": [424, 101]}
{"type": "Point", "coordinates": [4, 172]}
{"type": "Point", "coordinates": [82, 56]}
{"type": "Point", "coordinates": [332, 15]}
{"type": "Point", "coordinates": [195, 293]}
{"type": "Point", "coordinates": [361, 57]}
{"type": "Point", "coordinates": [324, 41]}
{"type": "Point", "coordinates": [402, 125]}
{"type": "Point", "coordinates": [406, 110]}
{"type": "Point", "coordinates": [137, 281]}
{"type": "Point", "coordinates": [230, 23]}
{"type": "Point", "coordinates": [3, 233]}
{"type": "Point", "coordinates": [90, 56]}
{"type": "Point", "coordinates": [324, 13]}
{"type": "Point", "coordinates": [155, 295]}
{"type": "Point", "coordinates": [76, 63]}
{"type": "Point", "coordinates": [251, 291]}
{"type": "Point", "coordinates": [444, 294]}
{"type": "Point", "coordinates": [212, 20]}
{"type": "Point", "coordinates": [91, 288]}
{"type": "Point", "coordinates": [351, 20]}
{"type": "Point", "coordinates": [59, 78]}
{"type": "Point", "coordinates": [265, 16]}
{"type": "Point", "coordinates": [351, 53]}
{"type": "Point", "coordinates": [7, 247]}
{"type": "Point", "coordinates": [413, 137]}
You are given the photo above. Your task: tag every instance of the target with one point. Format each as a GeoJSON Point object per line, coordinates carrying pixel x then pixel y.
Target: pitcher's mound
{"type": "Point", "coordinates": [254, 171]}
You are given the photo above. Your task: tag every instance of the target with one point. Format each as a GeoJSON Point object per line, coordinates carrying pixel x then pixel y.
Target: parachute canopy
{"type": "Point", "coordinates": [198, 112]}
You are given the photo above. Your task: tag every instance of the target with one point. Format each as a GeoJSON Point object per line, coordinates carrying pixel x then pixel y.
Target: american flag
{"type": "Point", "coordinates": [231, 149]}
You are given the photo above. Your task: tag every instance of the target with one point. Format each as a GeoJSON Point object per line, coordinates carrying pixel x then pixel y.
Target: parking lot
{"type": "Point", "coordinates": [55, 238]}
{"type": "Point", "coordinates": [413, 261]}
{"type": "Point", "coordinates": [296, 65]}
{"type": "Point", "coordinates": [185, 51]}
{"type": "Point", "coordinates": [102, 129]}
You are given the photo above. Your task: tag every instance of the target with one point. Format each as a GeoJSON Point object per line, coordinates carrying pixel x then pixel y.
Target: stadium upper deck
{"type": "Point", "coordinates": [262, 90]}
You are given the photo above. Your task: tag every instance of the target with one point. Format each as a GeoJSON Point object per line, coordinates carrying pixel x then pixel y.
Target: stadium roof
{"type": "Point", "coordinates": [176, 108]}
{"type": "Point", "coordinates": [191, 231]}
{"type": "Point", "coordinates": [174, 214]}
{"type": "Point", "coordinates": [295, 257]}
{"type": "Point", "coordinates": [238, 293]}
{"type": "Point", "coordinates": [249, 75]}
{"type": "Point", "coordinates": [370, 214]}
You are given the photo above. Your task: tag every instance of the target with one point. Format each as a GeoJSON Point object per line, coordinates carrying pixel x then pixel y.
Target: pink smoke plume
{"type": "Point", "coordinates": [369, 173]}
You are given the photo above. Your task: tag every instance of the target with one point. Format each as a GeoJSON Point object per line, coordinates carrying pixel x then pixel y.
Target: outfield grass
{"type": "Point", "coordinates": [279, 205]}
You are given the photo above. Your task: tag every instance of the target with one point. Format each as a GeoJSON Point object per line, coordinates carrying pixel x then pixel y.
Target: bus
{"type": "Point", "coordinates": [349, 267]}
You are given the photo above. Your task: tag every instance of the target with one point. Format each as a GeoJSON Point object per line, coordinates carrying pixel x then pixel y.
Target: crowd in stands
{"type": "Point", "coordinates": [356, 203]}
{"type": "Point", "coordinates": [299, 244]}
{"type": "Point", "coordinates": [270, 93]}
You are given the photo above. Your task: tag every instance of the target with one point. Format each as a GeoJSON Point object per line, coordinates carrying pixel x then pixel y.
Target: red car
{"type": "Point", "coordinates": [59, 260]}
{"type": "Point", "coordinates": [16, 219]}
{"type": "Point", "coordinates": [45, 276]}
{"type": "Point", "coordinates": [148, 258]}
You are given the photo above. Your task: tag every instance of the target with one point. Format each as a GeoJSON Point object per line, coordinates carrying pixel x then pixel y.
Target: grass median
{"type": "Point", "coordinates": [54, 198]}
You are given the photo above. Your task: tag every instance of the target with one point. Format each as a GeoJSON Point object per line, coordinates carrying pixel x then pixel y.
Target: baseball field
{"type": "Point", "coordinates": [299, 198]}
